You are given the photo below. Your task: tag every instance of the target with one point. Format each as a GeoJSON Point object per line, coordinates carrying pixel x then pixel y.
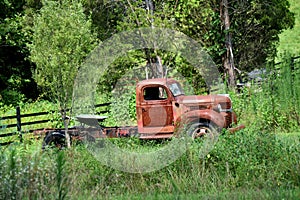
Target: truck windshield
{"type": "Point", "coordinates": [176, 89]}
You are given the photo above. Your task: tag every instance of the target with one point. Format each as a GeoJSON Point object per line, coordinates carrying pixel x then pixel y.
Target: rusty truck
{"type": "Point", "coordinates": [161, 108]}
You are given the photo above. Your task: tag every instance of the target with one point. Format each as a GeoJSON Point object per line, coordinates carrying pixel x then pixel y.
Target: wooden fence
{"type": "Point", "coordinates": [18, 124]}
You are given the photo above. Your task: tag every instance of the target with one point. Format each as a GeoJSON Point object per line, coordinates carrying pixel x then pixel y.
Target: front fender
{"type": "Point", "coordinates": [202, 115]}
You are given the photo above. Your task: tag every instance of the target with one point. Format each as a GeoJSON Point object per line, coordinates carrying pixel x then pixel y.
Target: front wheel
{"type": "Point", "coordinates": [198, 130]}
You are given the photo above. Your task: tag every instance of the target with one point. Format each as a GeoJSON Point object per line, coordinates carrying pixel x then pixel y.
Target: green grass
{"type": "Point", "coordinates": [248, 165]}
{"type": "Point", "coordinates": [278, 194]}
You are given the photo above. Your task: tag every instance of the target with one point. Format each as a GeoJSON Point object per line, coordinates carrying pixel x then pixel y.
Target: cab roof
{"type": "Point", "coordinates": [156, 81]}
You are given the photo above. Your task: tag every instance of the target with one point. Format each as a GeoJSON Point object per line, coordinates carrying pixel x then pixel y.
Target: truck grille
{"type": "Point", "coordinates": [228, 119]}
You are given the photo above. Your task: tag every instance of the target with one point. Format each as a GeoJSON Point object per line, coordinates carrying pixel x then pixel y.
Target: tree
{"type": "Point", "coordinates": [16, 70]}
{"type": "Point", "coordinates": [248, 42]}
{"type": "Point", "coordinates": [228, 58]}
{"type": "Point", "coordinates": [255, 29]}
{"type": "Point", "coordinates": [62, 38]}
{"type": "Point", "coordinates": [139, 14]}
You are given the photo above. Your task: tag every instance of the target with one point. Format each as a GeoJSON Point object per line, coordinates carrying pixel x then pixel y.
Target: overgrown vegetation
{"type": "Point", "coordinates": [273, 104]}
{"type": "Point", "coordinates": [260, 162]}
{"type": "Point", "coordinates": [250, 162]}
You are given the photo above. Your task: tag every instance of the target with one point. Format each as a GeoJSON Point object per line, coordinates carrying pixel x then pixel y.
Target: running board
{"type": "Point", "coordinates": [156, 136]}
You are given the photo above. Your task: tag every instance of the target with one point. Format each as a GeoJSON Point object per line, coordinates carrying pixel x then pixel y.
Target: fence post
{"type": "Point", "coordinates": [18, 114]}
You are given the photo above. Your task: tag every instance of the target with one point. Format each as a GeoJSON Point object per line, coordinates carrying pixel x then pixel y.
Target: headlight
{"type": "Point", "coordinates": [226, 108]}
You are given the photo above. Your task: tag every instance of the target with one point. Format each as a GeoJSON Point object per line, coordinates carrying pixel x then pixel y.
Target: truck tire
{"type": "Point", "coordinates": [200, 129]}
{"type": "Point", "coordinates": [54, 140]}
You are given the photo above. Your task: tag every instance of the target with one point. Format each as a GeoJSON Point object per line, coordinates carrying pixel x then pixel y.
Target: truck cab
{"type": "Point", "coordinates": [162, 106]}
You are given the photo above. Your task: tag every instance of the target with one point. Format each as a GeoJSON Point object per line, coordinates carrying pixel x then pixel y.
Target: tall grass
{"type": "Point", "coordinates": [31, 174]}
{"type": "Point", "coordinates": [248, 161]}
{"type": "Point", "coordinates": [273, 105]}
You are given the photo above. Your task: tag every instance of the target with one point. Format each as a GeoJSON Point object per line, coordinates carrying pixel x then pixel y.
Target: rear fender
{"type": "Point", "coordinates": [55, 138]}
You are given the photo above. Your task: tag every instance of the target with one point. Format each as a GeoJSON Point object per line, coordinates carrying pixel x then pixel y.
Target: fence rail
{"type": "Point", "coordinates": [293, 60]}
{"type": "Point", "coordinates": [19, 124]}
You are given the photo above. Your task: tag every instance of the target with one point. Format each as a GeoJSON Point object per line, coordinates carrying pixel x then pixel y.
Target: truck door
{"type": "Point", "coordinates": [156, 109]}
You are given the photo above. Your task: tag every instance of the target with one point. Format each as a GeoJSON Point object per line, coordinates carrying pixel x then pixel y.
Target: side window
{"type": "Point", "coordinates": [155, 93]}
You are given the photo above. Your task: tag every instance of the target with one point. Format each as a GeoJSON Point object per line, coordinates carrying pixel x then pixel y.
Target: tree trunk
{"type": "Point", "coordinates": [157, 67]}
{"type": "Point", "coordinates": [228, 61]}
{"type": "Point", "coordinates": [66, 124]}
{"type": "Point", "coordinates": [68, 139]}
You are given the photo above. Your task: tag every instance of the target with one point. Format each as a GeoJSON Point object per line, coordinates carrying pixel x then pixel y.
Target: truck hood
{"type": "Point", "coordinates": [203, 99]}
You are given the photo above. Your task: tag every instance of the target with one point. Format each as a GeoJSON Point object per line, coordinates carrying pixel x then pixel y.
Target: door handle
{"type": "Point", "coordinates": [143, 110]}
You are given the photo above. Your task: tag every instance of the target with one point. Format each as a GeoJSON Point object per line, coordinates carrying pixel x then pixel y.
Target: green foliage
{"type": "Point", "coordinates": [255, 26]}
{"type": "Point", "coordinates": [199, 20]}
{"type": "Point", "coordinates": [16, 74]}
{"type": "Point", "coordinates": [12, 97]}
{"type": "Point", "coordinates": [181, 16]}
{"type": "Point", "coordinates": [290, 38]}
{"type": "Point", "coordinates": [105, 16]}
{"type": "Point", "coordinates": [62, 38]}
{"type": "Point", "coordinates": [122, 111]}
